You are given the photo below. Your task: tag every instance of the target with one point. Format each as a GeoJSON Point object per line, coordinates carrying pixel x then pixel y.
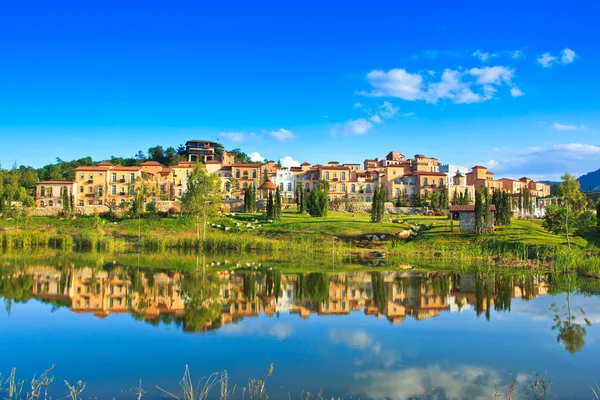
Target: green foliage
{"type": "Point", "coordinates": [378, 204]}
{"type": "Point", "coordinates": [250, 199]}
{"type": "Point", "coordinates": [277, 212]}
{"type": "Point", "coordinates": [573, 196]}
{"type": "Point", "coordinates": [270, 206]}
{"type": "Point", "coordinates": [585, 222]}
{"type": "Point", "coordinates": [555, 219]}
{"type": "Point", "coordinates": [318, 202]}
{"type": "Point", "coordinates": [502, 200]}
{"type": "Point", "coordinates": [598, 217]}
{"type": "Point", "coordinates": [202, 196]}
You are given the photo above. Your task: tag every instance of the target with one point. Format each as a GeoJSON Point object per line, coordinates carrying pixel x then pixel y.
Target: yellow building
{"type": "Point", "coordinates": [49, 193]}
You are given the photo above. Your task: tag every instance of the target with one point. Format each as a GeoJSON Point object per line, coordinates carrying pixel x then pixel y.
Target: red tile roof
{"type": "Point", "coordinates": [237, 165]}
{"type": "Point", "coordinates": [123, 168]}
{"type": "Point", "coordinates": [55, 182]}
{"type": "Point", "coordinates": [105, 163]}
{"type": "Point", "coordinates": [153, 163]}
{"type": "Point", "coordinates": [213, 162]}
{"type": "Point", "coordinates": [427, 173]}
{"type": "Point", "coordinates": [305, 163]}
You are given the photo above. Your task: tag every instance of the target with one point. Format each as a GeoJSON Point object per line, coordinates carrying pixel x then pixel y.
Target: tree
{"type": "Point", "coordinates": [277, 213]}
{"type": "Point", "coordinates": [571, 193]}
{"type": "Point", "coordinates": [598, 217]}
{"type": "Point", "coordinates": [585, 222]}
{"type": "Point", "coordinates": [318, 202]}
{"type": "Point", "coordinates": [487, 216]}
{"type": "Point", "coordinates": [202, 197]}
{"type": "Point", "coordinates": [570, 333]}
{"type": "Point", "coordinates": [270, 206]}
{"type": "Point", "coordinates": [479, 219]}
{"type": "Point", "coordinates": [157, 153]}
{"type": "Point", "coordinates": [382, 198]}
{"type": "Point", "coordinates": [375, 205]}
{"type": "Point", "coordinates": [555, 219]}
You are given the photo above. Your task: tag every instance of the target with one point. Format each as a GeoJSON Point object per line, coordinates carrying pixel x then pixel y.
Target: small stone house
{"type": "Point", "coordinates": [466, 217]}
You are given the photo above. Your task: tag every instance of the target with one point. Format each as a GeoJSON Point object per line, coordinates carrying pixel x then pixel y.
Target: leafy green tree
{"type": "Point", "coordinates": [202, 197]}
{"type": "Point", "coordinates": [585, 222]}
{"type": "Point", "coordinates": [571, 192]}
{"type": "Point", "coordinates": [157, 153]}
{"type": "Point", "coordinates": [570, 333]}
{"type": "Point", "coordinates": [555, 219]}
{"type": "Point", "coordinates": [318, 202]}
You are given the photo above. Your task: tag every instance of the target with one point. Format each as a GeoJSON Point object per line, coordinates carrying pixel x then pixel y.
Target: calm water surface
{"type": "Point", "coordinates": [355, 335]}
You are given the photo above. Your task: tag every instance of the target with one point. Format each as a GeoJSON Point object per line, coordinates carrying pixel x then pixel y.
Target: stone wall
{"type": "Point", "coordinates": [46, 211]}
{"type": "Point", "coordinates": [165, 206]}
{"type": "Point", "coordinates": [467, 222]}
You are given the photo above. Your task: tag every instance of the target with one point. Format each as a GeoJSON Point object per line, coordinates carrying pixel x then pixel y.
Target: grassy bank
{"type": "Point", "coordinates": [523, 243]}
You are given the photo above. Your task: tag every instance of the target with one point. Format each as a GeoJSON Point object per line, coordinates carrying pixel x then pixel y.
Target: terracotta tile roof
{"type": "Point", "coordinates": [295, 169]}
{"type": "Point", "coordinates": [479, 166]}
{"type": "Point", "coordinates": [305, 163]}
{"type": "Point", "coordinates": [93, 168]}
{"type": "Point", "coordinates": [337, 168]}
{"type": "Point", "coordinates": [105, 164]}
{"type": "Point", "coordinates": [470, 208]}
{"type": "Point", "coordinates": [213, 162]}
{"type": "Point", "coordinates": [123, 168]}
{"type": "Point", "coordinates": [225, 168]}
{"type": "Point", "coordinates": [153, 163]}
{"type": "Point", "coordinates": [268, 185]}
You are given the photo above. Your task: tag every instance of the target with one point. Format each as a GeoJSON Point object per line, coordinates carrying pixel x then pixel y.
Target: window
{"type": "Point", "coordinates": [335, 188]}
{"type": "Point", "coordinates": [425, 182]}
{"type": "Point", "coordinates": [281, 187]}
{"type": "Point", "coordinates": [91, 189]}
{"type": "Point", "coordinates": [353, 188]}
{"type": "Point", "coordinates": [179, 193]}
{"type": "Point", "coordinates": [131, 177]}
{"type": "Point", "coordinates": [367, 198]}
{"type": "Point", "coordinates": [441, 181]}
{"type": "Point", "coordinates": [114, 177]}
{"type": "Point", "coordinates": [343, 187]}
{"type": "Point", "coordinates": [90, 202]}
{"type": "Point", "coordinates": [227, 186]}
{"type": "Point", "coordinates": [245, 174]}
{"type": "Point", "coordinates": [405, 192]}
{"type": "Point", "coordinates": [42, 203]}
{"type": "Point", "coordinates": [113, 190]}
{"type": "Point", "coordinates": [368, 188]}
{"type": "Point", "coordinates": [81, 203]}
{"type": "Point", "coordinates": [254, 174]}
{"type": "Point", "coordinates": [343, 176]}
{"type": "Point", "coordinates": [289, 187]}
{"type": "Point", "coordinates": [237, 185]}
{"type": "Point", "coordinates": [81, 176]}
{"type": "Point", "coordinates": [245, 185]}
{"type": "Point", "coordinates": [397, 192]}
{"type": "Point", "coordinates": [91, 176]}
{"type": "Point", "coordinates": [394, 172]}
{"type": "Point", "coordinates": [99, 202]}
{"type": "Point", "coordinates": [315, 185]}
{"type": "Point", "coordinates": [237, 173]}
{"type": "Point", "coordinates": [307, 186]}
{"type": "Point", "coordinates": [327, 175]}
{"type": "Point", "coordinates": [413, 191]}
{"type": "Point", "coordinates": [335, 174]}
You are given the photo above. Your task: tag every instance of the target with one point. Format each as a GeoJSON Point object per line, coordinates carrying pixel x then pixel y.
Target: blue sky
{"type": "Point", "coordinates": [513, 87]}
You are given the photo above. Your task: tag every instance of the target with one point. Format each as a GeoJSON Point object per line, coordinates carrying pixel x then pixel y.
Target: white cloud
{"type": "Point", "coordinates": [256, 157]}
{"type": "Point", "coordinates": [395, 83]}
{"type": "Point", "coordinates": [357, 105]}
{"type": "Point", "coordinates": [548, 162]}
{"type": "Point", "coordinates": [431, 73]}
{"type": "Point", "coordinates": [546, 60]}
{"type": "Point", "coordinates": [516, 92]}
{"type": "Point", "coordinates": [376, 118]}
{"type": "Point", "coordinates": [288, 162]}
{"type": "Point", "coordinates": [483, 56]}
{"type": "Point", "coordinates": [458, 382]}
{"type": "Point", "coordinates": [352, 339]}
{"type": "Point", "coordinates": [567, 56]}
{"type": "Point", "coordinates": [454, 85]}
{"type": "Point", "coordinates": [409, 114]}
{"type": "Point", "coordinates": [387, 110]}
{"type": "Point", "coordinates": [237, 136]}
{"type": "Point", "coordinates": [352, 127]}
{"type": "Point", "coordinates": [562, 127]}
{"type": "Point", "coordinates": [499, 149]}
{"type": "Point", "coordinates": [516, 54]}
{"type": "Point", "coordinates": [282, 135]}
{"type": "Point", "coordinates": [492, 75]}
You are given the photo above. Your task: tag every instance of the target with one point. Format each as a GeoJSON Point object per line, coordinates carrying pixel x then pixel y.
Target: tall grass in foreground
{"type": "Point", "coordinates": [217, 386]}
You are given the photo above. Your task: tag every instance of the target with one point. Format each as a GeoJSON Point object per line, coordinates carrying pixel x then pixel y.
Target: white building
{"type": "Point", "coordinates": [285, 180]}
{"type": "Point", "coordinates": [451, 170]}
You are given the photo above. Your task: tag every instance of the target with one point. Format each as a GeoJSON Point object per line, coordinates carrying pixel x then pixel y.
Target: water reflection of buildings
{"type": "Point", "coordinates": [231, 296]}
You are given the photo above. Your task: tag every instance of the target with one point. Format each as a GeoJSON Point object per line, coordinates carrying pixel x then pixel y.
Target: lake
{"type": "Point", "coordinates": [394, 334]}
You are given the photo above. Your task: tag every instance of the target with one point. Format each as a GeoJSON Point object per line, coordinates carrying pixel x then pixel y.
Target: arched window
{"type": "Point", "coordinates": [42, 204]}
{"type": "Point", "coordinates": [441, 181]}
{"type": "Point", "coordinates": [289, 187]}
{"type": "Point", "coordinates": [254, 174]}
{"type": "Point", "coordinates": [237, 173]}
{"type": "Point", "coordinates": [227, 186]}
{"type": "Point", "coordinates": [425, 182]}
{"type": "Point", "coordinates": [245, 185]}
{"type": "Point", "coordinates": [343, 176]}
{"type": "Point", "coordinates": [375, 175]}
{"type": "Point", "coordinates": [368, 188]}
{"type": "Point", "coordinates": [353, 188]}
{"type": "Point", "coordinates": [281, 186]}
{"type": "Point", "coordinates": [343, 187]}
{"type": "Point", "coordinates": [367, 198]}
{"type": "Point", "coordinates": [50, 203]}
{"type": "Point", "coordinates": [327, 175]}
{"type": "Point", "coordinates": [246, 174]}
{"type": "Point", "coordinates": [353, 198]}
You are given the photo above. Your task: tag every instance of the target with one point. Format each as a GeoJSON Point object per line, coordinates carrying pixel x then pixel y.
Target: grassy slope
{"type": "Point", "coordinates": [345, 226]}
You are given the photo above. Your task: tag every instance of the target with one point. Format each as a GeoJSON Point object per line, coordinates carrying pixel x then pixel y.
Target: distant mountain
{"type": "Point", "coordinates": [590, 181]}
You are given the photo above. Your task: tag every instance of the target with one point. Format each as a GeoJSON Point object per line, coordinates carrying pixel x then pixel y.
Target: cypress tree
{"type": "Point", "coordinates": [381, 206]}
{"type": "Point", "coordinates": [277, 212]}
{"type": "Point", "coordinates": [478, 211]}
{"type": "Point", "coordinates": [488, 213]}
{"type": "Point", "coordinates": [270, 208]}
{"type": "Point", "coordinates": [375, 205]}
{"type": "Point", "coordinates": [598, 217]}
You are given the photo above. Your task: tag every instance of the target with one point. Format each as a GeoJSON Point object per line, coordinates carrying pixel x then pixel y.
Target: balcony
{"type": "Point", "coordinates": [90, 181]}
{"type": "Point", "coordinates": [90, 195]}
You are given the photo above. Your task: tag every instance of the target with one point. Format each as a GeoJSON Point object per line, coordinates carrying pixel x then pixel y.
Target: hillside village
{"type": "Point", "coordinates": [409, 181]}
